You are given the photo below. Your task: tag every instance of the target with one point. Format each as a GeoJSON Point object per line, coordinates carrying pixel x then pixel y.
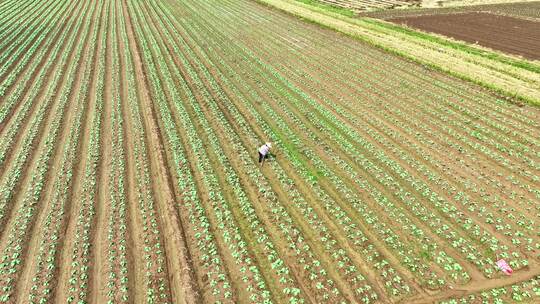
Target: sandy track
{"type": "Point", "coordinates": [529, 10]}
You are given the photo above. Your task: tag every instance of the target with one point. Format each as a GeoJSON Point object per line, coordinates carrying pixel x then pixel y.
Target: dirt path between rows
{"type": "Point", "coordinates": [99, 238]}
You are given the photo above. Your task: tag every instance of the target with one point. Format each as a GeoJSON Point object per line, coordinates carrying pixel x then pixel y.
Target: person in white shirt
{"type": "Point", "coordinates": [263, 152]}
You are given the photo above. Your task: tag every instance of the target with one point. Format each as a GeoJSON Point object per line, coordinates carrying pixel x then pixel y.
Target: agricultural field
{"type": "Point", "coordinates": [522, 10]}
{"type": "Point", "coordinates": [509, 28]}
{"type": "Point", "coordinates": [508, 34]}
{"type": "Point", "coordinates": [465, 3]}
{"type": "Point", "coordinates": [361, 7]}
{"type": "Point", "coordinates": [128, 163]}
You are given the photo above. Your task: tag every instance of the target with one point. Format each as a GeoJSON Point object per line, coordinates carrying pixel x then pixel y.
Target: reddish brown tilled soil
{"type": "Point", "coordinates": [523, 10]}
{"type": "Point", "coordinates": [507, 34]}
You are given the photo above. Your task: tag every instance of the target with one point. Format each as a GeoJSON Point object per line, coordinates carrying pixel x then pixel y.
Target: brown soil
{"type": "Point", "coordinates": [524, 10]}
{"type": "Point", "coordinates": [98, 260]}
{"type": "Point", "coordinates": [507, 34]}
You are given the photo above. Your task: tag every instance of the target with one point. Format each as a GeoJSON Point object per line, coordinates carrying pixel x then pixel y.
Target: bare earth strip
{"type": "Point", "coordinates": [99, 246]}
{"type": "Point", "coordinates": [529, 10]}
{"type": "Point", "coordinates": [503, 33]}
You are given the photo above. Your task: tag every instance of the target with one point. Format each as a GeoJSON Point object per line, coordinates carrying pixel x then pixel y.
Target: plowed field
{"type": "Point", "coordinates": [526, 10]}
{"type": "Point", "coordinates": [507, 34]}
{"type": "Point", "coordinates": [128, 163]}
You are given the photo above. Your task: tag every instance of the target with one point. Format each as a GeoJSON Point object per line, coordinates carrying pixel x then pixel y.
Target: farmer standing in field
{"type": "Point", "coordinates": [263, 152]}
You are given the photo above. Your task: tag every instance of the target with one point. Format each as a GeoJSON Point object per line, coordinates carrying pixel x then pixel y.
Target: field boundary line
{"type": "Point", "coordinates": [501, 77]}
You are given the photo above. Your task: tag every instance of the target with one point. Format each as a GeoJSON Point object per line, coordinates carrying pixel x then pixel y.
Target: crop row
{"type": "Point", "coordinates": [298, 197]}
{"type": "Point", "coordinates": [13, 252]}
{"type": "Point", "coordinates": [50, 244]}
{"type": "Point", "coordinates": [207, 252]}
{"type": "Point", "coordinates": [21, 54]}
{"type": "Point", "coordinates": [381, 187]}
{"type": "Point", "coordinates": [526, 291]}
{"type": "Point", "coordinates": [14, 126]}
{"type": "Point", "coordinates": [402, 155]}
{"type": "Point", "coordinates": [157, 289]}
{"type": "Point", "coordinates": [274, 118]}
{"type": "Point", "coordinates": [81, 249]}
{"type": "Point", "coordinates": [117, 221]}
{"type": "Point", "coordinates": [224, 126]}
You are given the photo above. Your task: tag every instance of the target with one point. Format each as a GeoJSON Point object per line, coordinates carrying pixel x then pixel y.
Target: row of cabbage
{"type": "Point", "coordinates": [312, 217]}
{"type": "Point", "coordinates": [517, 233]}
{"type": "Point", "coordinates": [60, 68]}
{"type": "Point", "coordinates": [424, 195]}
{"type": "Point", "coordinates": [25, 212]}
{"type": "Point", "coordinates": [527, 291]}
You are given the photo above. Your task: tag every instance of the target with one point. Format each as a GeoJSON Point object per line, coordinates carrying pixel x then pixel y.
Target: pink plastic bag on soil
{"type": "Point", "coordinates": [504, 267]}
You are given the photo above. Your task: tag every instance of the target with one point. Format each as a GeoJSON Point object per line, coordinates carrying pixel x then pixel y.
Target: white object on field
{"type": "Point", "coordinates": [265, 148]}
